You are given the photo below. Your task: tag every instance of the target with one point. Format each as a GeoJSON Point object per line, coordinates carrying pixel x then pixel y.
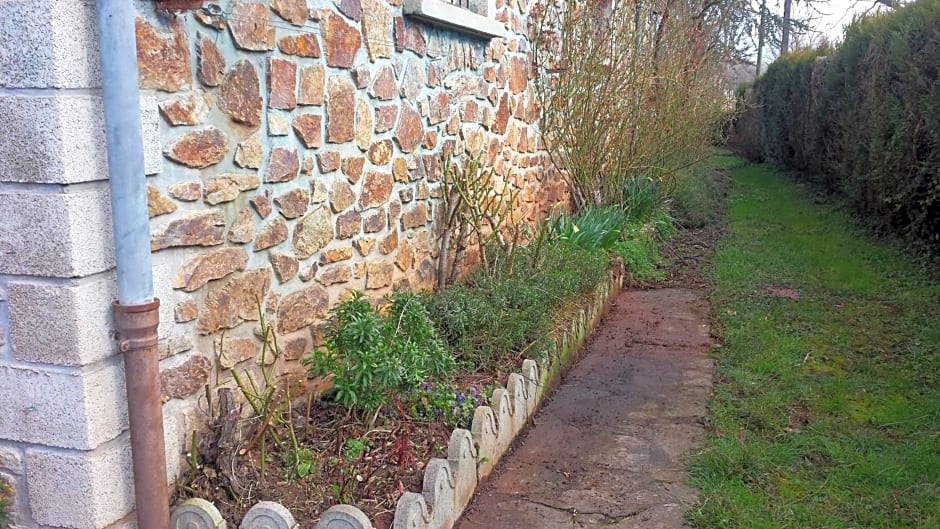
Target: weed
{"type": "Point", "coordinates": [355, 448]}
{"type": "Point", "coordinates": [640, 254]}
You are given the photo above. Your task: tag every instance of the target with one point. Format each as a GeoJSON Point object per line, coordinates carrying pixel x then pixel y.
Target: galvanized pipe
{"type": "Point", "coordinates": [136, 315]}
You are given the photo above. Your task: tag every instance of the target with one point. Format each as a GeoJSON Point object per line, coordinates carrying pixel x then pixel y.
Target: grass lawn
{"type": "Point", "coordinates": [826, 411]}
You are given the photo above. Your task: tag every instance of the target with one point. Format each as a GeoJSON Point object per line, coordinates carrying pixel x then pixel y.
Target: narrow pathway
{"type": "Point", "coordinates": [608, 448]}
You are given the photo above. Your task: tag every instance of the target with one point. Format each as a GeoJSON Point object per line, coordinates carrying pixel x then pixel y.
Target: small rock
{"type": "Point", "coordinates": [334, 274]}
{"type": "Point", "coordinates": [283, 165]}
{"type": "Point", "coordinates": [302, 309]}
{"type": "Point", "coordinates": [272, 234]}
{"type": "Point", "coordinates": [285, 266]}
{"type": "Point", "coordinates": [199, 149]}
{"type": "Point", "coordinates": [226, 187]}
{"type": "Point", "coordinates": [249, 153]}
{"type": "Point", "coordinates": [312, 233]}
{"type": "Point", "coordinates": [240, 96]}
{"type": "Point", "coordinates": [189, 109]}
{"type": "Point", "coordinates": [162, 59]}
{"type": "Point", "coordinates": [293, 203]}
{"type": "Point", "coordinates": [282, 83]}
{"type": "Point", "coordinates": [157, 203]}
{"type": "Point", "coordinates": [379, 275]}
{"type": "Point", "coordinates": [186, 379]}
{"type": "Point", "coordinates": [209, 266]}
{"type": "Point", "coordinates": [201, 228]}
{"type": "Point", "coordinates": [376, 189]}
{"type": "Point", "coordinates": [185, 311]}
{"type": "Point", "coordinates": [250, 25]}
{"type": "Point", "coordinates": [243, 229]}
{"type": "Point", "coordinates": [185, 191]}
{"type": "Point", "coordinates": [309, 129]}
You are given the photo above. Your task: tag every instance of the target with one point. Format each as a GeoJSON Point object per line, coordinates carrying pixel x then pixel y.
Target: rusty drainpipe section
{"type": "Point", "coordinates": [136, 315]}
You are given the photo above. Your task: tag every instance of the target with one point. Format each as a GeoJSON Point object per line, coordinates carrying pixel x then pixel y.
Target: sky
{"type": "Point", "coordinates": [833, 14]}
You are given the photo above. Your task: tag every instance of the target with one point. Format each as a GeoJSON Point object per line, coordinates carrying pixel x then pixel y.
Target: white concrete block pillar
{"type": "Point", "coordinates": [63, 414]}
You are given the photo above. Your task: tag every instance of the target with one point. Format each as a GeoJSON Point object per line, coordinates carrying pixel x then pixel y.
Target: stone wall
{"type": "Point", "coordinates": [293, 152]}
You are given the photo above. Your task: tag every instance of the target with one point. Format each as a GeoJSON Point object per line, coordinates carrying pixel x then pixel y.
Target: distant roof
{"type": "Point", "coordinates": [738, 73]}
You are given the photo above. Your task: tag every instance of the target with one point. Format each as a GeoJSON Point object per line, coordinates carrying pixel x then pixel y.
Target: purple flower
{"type": "Point", "coordinates": [460, 398]}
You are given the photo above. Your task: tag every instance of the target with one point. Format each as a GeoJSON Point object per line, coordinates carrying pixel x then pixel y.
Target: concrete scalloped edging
{"type": "Point", "coordinates": [472, 455]}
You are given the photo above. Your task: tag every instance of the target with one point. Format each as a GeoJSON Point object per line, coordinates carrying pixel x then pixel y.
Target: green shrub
{"type": "Point", "coordinates": [490, 320]}
{"type": "Point", "coordinates": [864, 122]}
{"type": "Point", "coordinates": [372, 354]}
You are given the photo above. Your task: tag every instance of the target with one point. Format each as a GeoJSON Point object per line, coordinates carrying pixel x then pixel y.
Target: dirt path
{"type": "Point", "coordinates": [608, 448]}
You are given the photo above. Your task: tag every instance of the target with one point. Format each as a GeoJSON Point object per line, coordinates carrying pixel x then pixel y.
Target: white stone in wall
{"type": "Point", "coordinates": [49, 44]}
{"type": "Point", "coordinates": [78, 410]}
{"type": "Point", "coordinates": [52, 138]}
{"type": "Point", "coordinates": [80, 490]}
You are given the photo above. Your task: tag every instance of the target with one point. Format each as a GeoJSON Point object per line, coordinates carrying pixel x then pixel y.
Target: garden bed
{"type": "Point", "coordinates": [313, 460]}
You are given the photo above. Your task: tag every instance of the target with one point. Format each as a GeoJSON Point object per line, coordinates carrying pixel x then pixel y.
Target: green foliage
{"type": "Point", "coordinates": [355, 448]}
{"type": "Point", "coordinates": [864, 122]}
{"type": "Point", "coordinates": [595, 228]}
{"type": "Point", "coordinates": [373, 354]}
{"type": "Point", "coordinates": [6, 494]}
{"type": "Point", "coordinates": [301, 461]}
{"type": "Point", "coordinates": [641, 197]}
{"type": "Point", "coordinates": [487, 320]}
{"type": "Point", "coordinates": [448, 403]}
{"type": "Point", "coordinates": [825, 411]}
{"type": "Point", "coordinates": [698, 198]}
{"type": "Point", "coordinates": [640, 254]}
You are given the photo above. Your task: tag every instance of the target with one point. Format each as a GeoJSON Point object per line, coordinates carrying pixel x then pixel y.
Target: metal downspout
{"type": "Point", "coordinates": [136, 315]}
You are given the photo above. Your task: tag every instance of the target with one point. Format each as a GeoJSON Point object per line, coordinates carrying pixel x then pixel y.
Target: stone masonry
{"type": "Point", "coordinates": [293, 151]}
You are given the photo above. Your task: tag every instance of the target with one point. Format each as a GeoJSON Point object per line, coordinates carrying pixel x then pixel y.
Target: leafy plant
{"type": "Point", "coordinates": [372, 354]}
{"type": "Point", "coordinates": [355, 448]}
{"type": "Point", "coordinates": [595, 228]}
{"type": "Point", "coordinates": [301, 461]}
{"type": "Point", "coordinates": [641, 197]}
{"type": "Point", "coordinates": [640, 256]}
{"type": "Point", "coordinates": [448, 403]}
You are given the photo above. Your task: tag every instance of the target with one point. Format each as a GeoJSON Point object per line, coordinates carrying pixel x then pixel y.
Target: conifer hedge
{"type": "Point", "coordinates": [862, 119]}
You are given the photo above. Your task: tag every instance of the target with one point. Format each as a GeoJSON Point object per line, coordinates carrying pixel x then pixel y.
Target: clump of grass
{"type": "Point", "coordinates": [490, 320]}
{"type": "Point", "coordinates": [699, 197]}
{"type": "Point", "coordinates": [826, 410]}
